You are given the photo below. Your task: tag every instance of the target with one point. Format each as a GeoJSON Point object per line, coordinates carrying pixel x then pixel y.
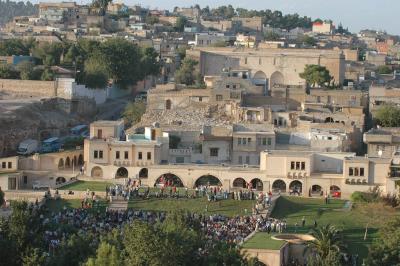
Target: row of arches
{"type": "Point", "coordinates": [70, 162]}
{"type": "Point", "coordinates": [170, 179]}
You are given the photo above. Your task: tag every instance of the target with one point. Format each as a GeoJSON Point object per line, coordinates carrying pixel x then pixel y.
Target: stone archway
{"type": "Point", "coordinates": [257, 184]}
{"type": "Point", "coordinates": [260, 79]}
{"type": "Point", "coordinates": [279, 186]}
{"type": "Point", "coordinates": [239, 183]}
{"type": "Point", "coordinates": [329, 120]}
{"type": "Point", "coordinates": [144, 173]}
{"type": "Point", "coordinates": [207, 180]}
{"type": "Point", "coordinates": [169, 180]}
{"type": "Point", "coordinates": [316, 190]}
{"type": "Point", "coordinates": [276, 79]}
{"type": "Point", "coordinates": [122, 172]}
{"type": "Point", "coordinates": [60, 180]}
{"type": "Point", "coordinates": [296, 187]}
{"type": "Point", "coordinates": [97, 172]}
{"type": "Point", "coordinates": [61, 163]}
{"type": "Point", "coordinates": [68, 163]}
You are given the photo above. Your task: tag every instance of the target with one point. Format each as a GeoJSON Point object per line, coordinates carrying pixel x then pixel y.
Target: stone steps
{"type": "Point", "coordinates": [118, 205]}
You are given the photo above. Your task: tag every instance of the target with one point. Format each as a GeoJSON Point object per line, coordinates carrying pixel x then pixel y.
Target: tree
{"type": "Point", "coordinates": [180, 24]}
{"type": "Point", "coordinates": [308, 40]}
{"type": "Point", "coordinates": [133, 112]}
{"type": "Point", "coordinates": [8, 72]}
{"type": "Point", "coordinates": [151, 20]}
{"type": "Point", "coordinates": [271, 36]}
{"type": "Point", "coordinates": [149, 63]}
{"type": "Point", "coordinates": [316, 74]}
{"type": "Point", "coordinates": [106, 255]}
{"type": "Point", "coordinates": [1, 197]}
{"type": "Point", "coordinates": [96, 76]}
{"type": "Point", "coordinates": [15, 47]}
{"type": "Point", "coordinates": [49, 53]}
{"type": "Point", "coordinates": [102, 4]}
{"type": "Point", "coordinates": [34, 257]}
{"type": "Point", "coordinates": [122, 61]}
{"type": "Point", "coordinates": [187, 73]}
{"type": "Point", "coordinates": [26, 70]}
{"type": "Point", "coordinates": [384, 70]}
{"type": "Point", "coordinates": [326, 248]}
{"type": "Point", "coordinates": [47, 74]}
{"type": "Point", "coordinates": [385, 251]}
{"type": "Point", "coordinates": [388, 115]}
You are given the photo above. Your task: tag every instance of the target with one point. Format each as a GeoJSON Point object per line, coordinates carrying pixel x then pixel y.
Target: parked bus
{"type": "Point", "coordinates": [51, 145]}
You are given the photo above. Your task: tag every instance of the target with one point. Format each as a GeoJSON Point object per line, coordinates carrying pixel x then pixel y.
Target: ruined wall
{"type": "Point", "coordinates": [14, 88]}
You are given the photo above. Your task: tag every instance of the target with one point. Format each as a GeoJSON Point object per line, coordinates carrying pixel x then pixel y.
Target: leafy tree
{"type": "Point", "coordinates": [151, 20]}
{"type": "Point", "coordinates": [149, 63]}
{"type": "Point", "coordinates": [1, 197]}
{"type": "Point", "coordinates": [133, 112]}
{"type": "Point", "coordinates": [10, 9]}
{"type": "Point", "coordinates": [385, 251]}
{"type": "Point", "coordinates": [326, 248]}
{"type": "Point", "coordinates": [271, 36]}
{"type": "Point", "coordinates": [106, 255]}
{"type": "Point", "coordinates": [384, 70]}
{"type": "Point", "coordinates": [49, 53]}
{"type": "Point", "coordinates": [96, 75]}
{"type": "Point", "coordinates": [47, 74]}
{"type": "Point", "coordinates": [187, 73]}
{"type": "Point", "coordinates": [316, 74]}
{"type": "Point", "coordinates": [122, 60]}
{"type": "Point", "coordinates": [388, 115]}
{"type": "Point", "coordinates": [34, 257]}
{"type": "Point", "coordinates": [180, 24]}
{"type": "Point", "coordinates": [102, 4]}
{"type": "Point", "coordinates": [15, 47]}
{"type": "Point", "coordinates": [8, 72]}
{"type": "Point", "coordinates": [26, 70]}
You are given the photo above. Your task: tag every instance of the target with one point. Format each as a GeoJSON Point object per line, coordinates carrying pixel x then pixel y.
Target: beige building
{"type": "Point", "coordinates": [268, 67]}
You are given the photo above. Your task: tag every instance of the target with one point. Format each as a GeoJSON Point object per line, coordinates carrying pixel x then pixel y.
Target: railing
{"type": "Point", "coordinates": [180, 151]}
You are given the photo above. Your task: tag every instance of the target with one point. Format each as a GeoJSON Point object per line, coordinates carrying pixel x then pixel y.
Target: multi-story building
{"type": "Point", "coordinates": [382, 142]}
{"type": "Point", "coordinates": [325, 27]}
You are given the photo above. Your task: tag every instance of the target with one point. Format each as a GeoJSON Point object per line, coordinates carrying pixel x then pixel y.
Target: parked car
{"type": "Point", "coordinates": [38, 186]}
{"type": "Point", "coordinates": [28, 147]}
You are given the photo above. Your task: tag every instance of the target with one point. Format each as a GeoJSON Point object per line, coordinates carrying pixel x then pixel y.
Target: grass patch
{"type": "Point", "coordinates": [59, 204]}
{"type": "Point", "coordinates": [84, 185]}
{"type": "Point", "coordinates": [262, 240]}
{"type": "Point", "coordinates": [224, 207]}
{"type": "Point", "coordinates": [352, 223]}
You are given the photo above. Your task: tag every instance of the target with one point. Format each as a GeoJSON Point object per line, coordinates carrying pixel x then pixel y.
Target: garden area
{"type": "Point", "coordinates": [81, 185]}
{"type": "Point", "coordinates": [351, 222]}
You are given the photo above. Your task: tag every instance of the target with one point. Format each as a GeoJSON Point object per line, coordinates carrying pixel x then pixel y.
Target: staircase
{"type": "Point", "coordinates": [118, 205]}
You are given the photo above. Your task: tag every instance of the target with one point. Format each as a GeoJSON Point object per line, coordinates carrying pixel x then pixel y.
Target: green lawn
{"type": "Point", "coordinates": [262, 240]}
{"type": "Point", "coordinates": [224, 207]}
{"type": "Point", "coordinates": [84, 185]}
{"type": "Point", "coordinates": [352, 223]}
{"type": "Point", "coordinates": [59, 204]}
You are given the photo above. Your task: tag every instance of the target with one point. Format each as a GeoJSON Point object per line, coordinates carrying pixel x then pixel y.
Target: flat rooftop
{"type": "Point", "coordinates": [263, 240]}
{"type": "Point", "coordinates": [107, 123]}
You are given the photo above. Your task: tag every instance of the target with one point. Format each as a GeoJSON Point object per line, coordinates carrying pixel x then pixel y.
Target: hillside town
{"type": "Point", "coordinates": [237, 116]}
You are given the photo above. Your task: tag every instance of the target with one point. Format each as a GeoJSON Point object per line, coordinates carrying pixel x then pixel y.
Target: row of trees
{"type": "Point", "coordinates": [10, 9]}
{"type": "Point", "coordinates": [273, 18]}
{"type": "Point", "coordinates": [176, 241]}
{"type": "Point", "coordinates": [93, 62]}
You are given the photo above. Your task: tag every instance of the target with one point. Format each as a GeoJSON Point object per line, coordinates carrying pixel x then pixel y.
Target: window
{"type": "Point", "coordinates": [264, 141]}
{"type": "Point", "coordinates": [140, 155]}
{"type": "Point", "coordinates": [248, 140]}
{"type": "Point", "coordinates": [244, 141]}
{"type": "Point", "coordinates": [297, 165]}
{"type": "Point", "coordinates": [269, 141]}
{"type": "Point", "coordinates": [292, 166]}
{"type": "Point", "coordinates": [214, 152]}
{"type": "Point", "coordinates": [303, 166]}
{"type": "Point", "coordinates": [126, 155]}
{"type": "Point", "coordinates": [149, 156]}
{"type": "Point", "coordinates": [234, 86]}
{"type": "Point", "coordinates": [260, 61]}
{"type": "Point", "coordinates": [117, 155]}
{"type": "Point", "coordinates": [356, 171]}
{"type": "Point", "coordinates": [180, 160]}
{"type": "Point", "coordinates": [362, 171]}
{"type": "Point", "coordinates": [239, 141]}
{"type": "Point", "coordinates": [200, 99]}
{"type": "Point", "coordinates": [245, 60]}
{"type": "Point", "coordinates": [100, 133]}
{"type": "Point", "coordinates": [351, 171]}
{"type": "Point", "coordinates": [96, 154]}
{"type": "Point", "coordinates": [9, 165]}
{"type": "Point", "coordinates": [227, 86]}
{"type": "Point", "coordinates": [25, 179]}
{"type": "Point", "coordinates": [101, 154]}
{"type": "Point", "coordinates": [219, 97]}
{"type": "Point", "coordinates": [247, 159]}
{"type": "Point", "coordinates": [240, 159]}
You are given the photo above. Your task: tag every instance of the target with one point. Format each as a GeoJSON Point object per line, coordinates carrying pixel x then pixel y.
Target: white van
{"type": "Point", "coordinates": [28, 147]}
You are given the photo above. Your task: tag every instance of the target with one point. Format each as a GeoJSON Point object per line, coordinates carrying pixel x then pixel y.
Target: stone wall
{"type": "Point", "coordinates": [14, 88]}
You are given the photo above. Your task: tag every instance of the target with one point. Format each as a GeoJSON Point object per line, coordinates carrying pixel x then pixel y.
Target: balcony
{"type": "Point", "coordinates": [297, 174]}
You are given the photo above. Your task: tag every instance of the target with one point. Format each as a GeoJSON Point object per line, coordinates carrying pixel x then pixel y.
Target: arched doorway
{"type": "Point", "coordinates": [68, 163]}
{"type": "Point", "coordinates": [329, 120]}
{"type": "Point", "coordinates": [97, 172]}
{"type": "Point", "coordinates": [144, 173]}
{"type": "Point", "coordinates": [60, 180]}
{"type": "Point", "coordinates": [122, 172]}
{"type": "Point", "coordinates": [295, 187]}
{"type": "Point", "coordinates": [257, 184]}
{"type": "Point", "coordinates": [335, 191]}
{"type": "Point", "coordinates": [168, 104]}
{"type": "Point", "coordinates": [61, 163]}
{"type": "Point", "coordinates": [276, 79]}
{"type": "Point", "coordinates": [316, 190]}
{"type": "Point", "coordinates": [239, 183]}
{"type": "Point", "coordinates": [169, 180]}
{"type": "Point", "coordinates": [279, 186]}
{"type": "Point", "coordinates": [260, 79]}
{"type": "Point", "coordinates": [80, 159]}
{"type": "Point", "coordinates": [207, 180]}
